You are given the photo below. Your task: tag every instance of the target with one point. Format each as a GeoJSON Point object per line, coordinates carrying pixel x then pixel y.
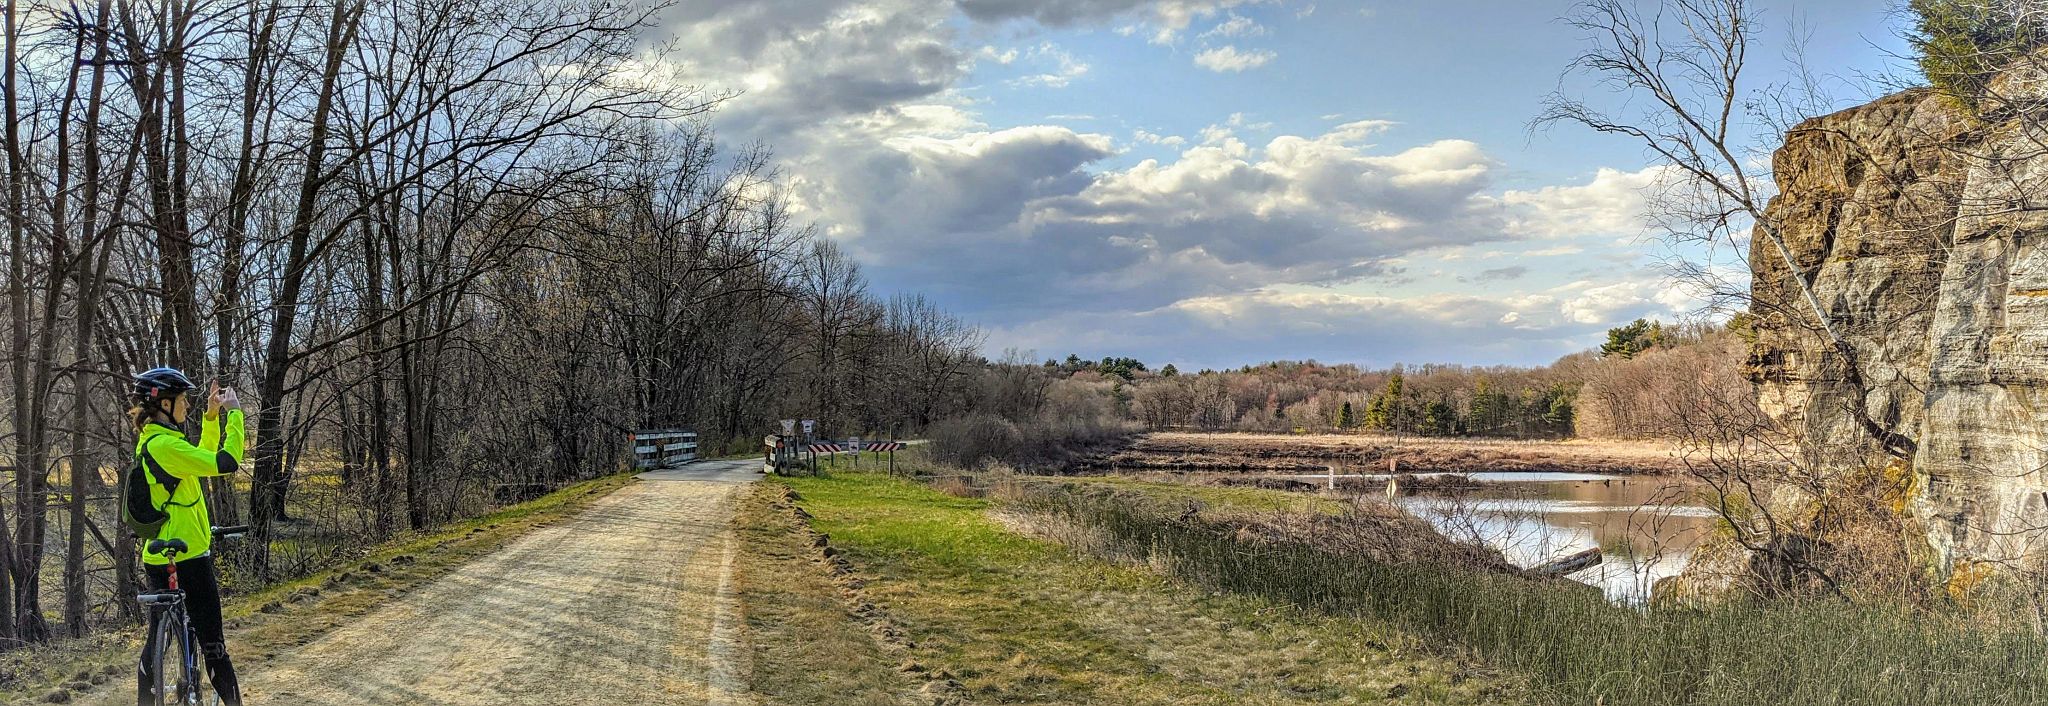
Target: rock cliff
{"type": "Point", "coordinates": [1924, 231]}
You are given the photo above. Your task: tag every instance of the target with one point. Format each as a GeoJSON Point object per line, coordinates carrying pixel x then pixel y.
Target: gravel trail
{"type": "Point", "coordinates": [628, 602]}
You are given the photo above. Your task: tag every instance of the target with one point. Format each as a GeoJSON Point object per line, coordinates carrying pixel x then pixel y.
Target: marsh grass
{"type": "Point", "coordinates": [1577, 648]}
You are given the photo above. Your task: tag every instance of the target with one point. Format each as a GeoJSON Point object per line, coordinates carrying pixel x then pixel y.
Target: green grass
{"type": "Point", "coordinates": [1017, 619]}
{"type": "Point", "coordinates": [1576, 648]}
{"type": "Point", "coordinates": [805, 649]}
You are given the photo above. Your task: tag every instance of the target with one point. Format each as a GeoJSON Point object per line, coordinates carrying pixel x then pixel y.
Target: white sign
{"type": "Point", "coordinates": [788, 427]}
{"type": "Point", "coordinates": [853, 443]}
{"type": "Point", "coordinates": [809, 424]}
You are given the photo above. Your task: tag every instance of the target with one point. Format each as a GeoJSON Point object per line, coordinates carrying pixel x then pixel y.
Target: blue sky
{"type": "Point", "coordinates": [1221, 182]}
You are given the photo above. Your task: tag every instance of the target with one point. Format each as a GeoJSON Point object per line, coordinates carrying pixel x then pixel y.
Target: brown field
{"type": "Point", "coordinates": [1371, 453]}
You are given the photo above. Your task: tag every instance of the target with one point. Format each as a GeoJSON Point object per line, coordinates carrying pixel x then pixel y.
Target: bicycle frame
{"type": "Point", "coordinates": [171, 622]}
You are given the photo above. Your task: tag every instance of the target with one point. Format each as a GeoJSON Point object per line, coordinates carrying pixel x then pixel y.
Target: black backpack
{"type": "Point", "coordinates": [142, 516]}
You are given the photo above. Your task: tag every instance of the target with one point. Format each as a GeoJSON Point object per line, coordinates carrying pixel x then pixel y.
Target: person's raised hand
{"type": "Point", "coordinates": [213, 398]}
{"type": "Point", "coordinates": [229, 399]}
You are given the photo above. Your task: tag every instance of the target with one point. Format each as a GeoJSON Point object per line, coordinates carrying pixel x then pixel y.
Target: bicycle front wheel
{"type": "Point", "coordinates": [177, 682]}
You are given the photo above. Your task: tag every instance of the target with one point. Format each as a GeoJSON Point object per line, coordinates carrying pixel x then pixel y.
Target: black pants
{"type": "Point", "coordinates": [202, 604]}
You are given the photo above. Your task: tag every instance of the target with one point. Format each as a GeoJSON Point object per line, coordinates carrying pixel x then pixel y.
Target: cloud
{"type": "Point", "coordinates": [1231, 241]}
{"type": "Point", "coordinates": [1597, 303]}
{"type": "Point", "coordinates": [1167, 18]}
{"type": "Point", "coordinates": [1151, 138]}
{"type": "Point", "coordinates": [800, 63]}
{"type": "Point", "coordinates": [1228, 59]}
{"type": "Point", "coordinates": [1237, 26]}
{"type": "Point", "coordinates": [1238, 120]}
{"type": "Point", "coordinates": [1613, 203]}
{"type": "Point", "coordinates": [1019, 222]}
{"type": "Point", "coordinates": [1003, 57]}
{"type": "Point", "coordinates": [1234, 329]}
{"type": "Point", "coordinates": [1502, 274]}
{"type": "Point", "coordinates": [1065, 67]}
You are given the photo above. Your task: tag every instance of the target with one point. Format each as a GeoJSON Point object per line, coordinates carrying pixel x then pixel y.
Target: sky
{"type": "Point", "coordinates": [1214, 183]}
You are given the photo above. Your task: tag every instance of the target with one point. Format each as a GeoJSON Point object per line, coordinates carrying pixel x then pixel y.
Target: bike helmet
{"type": "Point", "coordinates": [161, 384]}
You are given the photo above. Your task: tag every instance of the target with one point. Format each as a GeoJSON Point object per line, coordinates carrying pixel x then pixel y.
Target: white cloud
{"type": "Point", "coordinates": [1225, 330]}
{"type": "Point", "coordinates": [1614, 202]}
{"type": "Point", "coordinates": [1238, 120]}
{"type": "Point", "coordinates": [1004, 57]}
{"type": "Point", "coordinates": [1228, 59]}
{"type": "Point", "coordinates": [1605, 301]}
{"type": "Point", "coordinates": [1237, 26]}
{"type": "Point", "coordinates": [1151, 138]}
{"type": "Point", "coordinates": [1064, 67]}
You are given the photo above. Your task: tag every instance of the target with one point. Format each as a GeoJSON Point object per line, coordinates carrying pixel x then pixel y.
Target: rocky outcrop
{"type": "Point", "coordinates": [1924, 231]}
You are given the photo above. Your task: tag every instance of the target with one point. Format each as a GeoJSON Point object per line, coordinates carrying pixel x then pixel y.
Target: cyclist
{"type": "Point", "coordinates": [173, 466]}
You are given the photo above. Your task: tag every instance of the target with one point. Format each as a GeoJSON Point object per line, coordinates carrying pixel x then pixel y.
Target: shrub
{"type": "Point", "coordinates": [979, 440]}
{"type": "Point", "coordinates": [974, 440]}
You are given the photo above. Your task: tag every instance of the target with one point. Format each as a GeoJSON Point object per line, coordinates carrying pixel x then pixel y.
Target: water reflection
{"type": "Point", "coordinates": [1645, 527]}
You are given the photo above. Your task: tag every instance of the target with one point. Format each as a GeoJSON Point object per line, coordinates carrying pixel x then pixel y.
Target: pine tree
{"type": "Point", "coordinates": [1384, 412]}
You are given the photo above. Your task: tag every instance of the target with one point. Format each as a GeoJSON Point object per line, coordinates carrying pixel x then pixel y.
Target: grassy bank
{"type": "Point", "coordinates": [1579, 649]}
{"type": "Point", "coordinates": [806, 649]}
{"type": "Point", "coordinates": [288, 614]}
{"type": "Point", "coordinates": [1016, 619]}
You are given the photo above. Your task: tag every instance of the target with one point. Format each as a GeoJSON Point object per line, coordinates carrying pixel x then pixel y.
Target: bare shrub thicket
{"type": "Point", "coordinates": [1631, 399]}
{"type": "Point", "coordinates": [1023, 417]}
{"type": "Point", "coordinates": [1434, 399]}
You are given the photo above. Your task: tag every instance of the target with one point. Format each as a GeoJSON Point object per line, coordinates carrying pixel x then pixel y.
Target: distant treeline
{"type": "Point", "coordinates": [1620, 390]}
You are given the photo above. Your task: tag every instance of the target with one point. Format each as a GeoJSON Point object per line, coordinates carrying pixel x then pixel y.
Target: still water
{"type": "Point", "coordinates": [1644, 526]}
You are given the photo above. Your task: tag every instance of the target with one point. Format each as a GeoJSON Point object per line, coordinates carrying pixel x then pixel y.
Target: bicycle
{"type": "Point", "coordinates": [173, 631]}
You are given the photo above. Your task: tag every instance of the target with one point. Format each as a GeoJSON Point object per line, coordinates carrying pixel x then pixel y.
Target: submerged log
{"type": "Point", "coordinates": [1568, 564]}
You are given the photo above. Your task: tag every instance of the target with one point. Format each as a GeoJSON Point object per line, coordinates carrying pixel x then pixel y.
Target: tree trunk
{"type": "Point", "coordinates": [84, 470]}
{"type": "Point", "coordinates": [266, 492]}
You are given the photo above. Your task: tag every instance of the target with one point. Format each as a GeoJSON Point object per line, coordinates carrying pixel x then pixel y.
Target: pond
{"type": "Point", "coordinates": [1645, 526]}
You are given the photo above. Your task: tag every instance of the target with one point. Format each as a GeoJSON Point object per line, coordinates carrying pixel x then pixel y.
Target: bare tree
{"type": "Point", "coordinates": [1684, 70]}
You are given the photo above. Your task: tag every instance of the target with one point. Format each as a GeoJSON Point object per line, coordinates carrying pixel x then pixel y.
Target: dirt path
{"type": "Point", "coordinates": [626, 603]}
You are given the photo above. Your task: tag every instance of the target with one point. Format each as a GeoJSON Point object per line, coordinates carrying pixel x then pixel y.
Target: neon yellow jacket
{"type": "Point", "coordinates": [219, 452]}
